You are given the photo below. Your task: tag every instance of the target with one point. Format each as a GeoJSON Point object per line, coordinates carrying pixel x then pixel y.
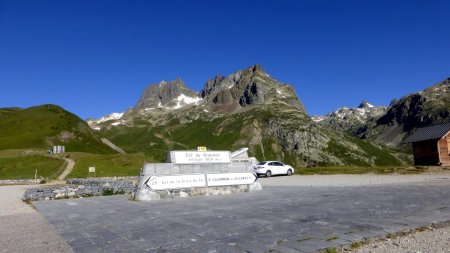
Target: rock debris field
{"type": "Point", "coordinates": [290, 214]}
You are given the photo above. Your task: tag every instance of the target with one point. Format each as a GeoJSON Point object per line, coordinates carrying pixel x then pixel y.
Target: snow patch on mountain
{"type": "Point", "coordinates": [350, 118]}
{"type": "Point", "coordinates": [112, 116]}
{"type": "Point", "coordinates": [318, 118]}
{"type": "Point", "coordinates": [183, 99]}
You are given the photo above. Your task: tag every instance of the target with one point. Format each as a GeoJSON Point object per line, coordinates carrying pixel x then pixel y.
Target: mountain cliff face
{"type": "Point", "coordinates": [173, 94]}
{"type": "Point", "coordinates": [428, 107]}
{"type": "Point", "coordinates": [245, 109]}
{"type": "Point", "coordinates": [350, 119]}
{"type": "Point", "coordinates": [389, 126]}
{"type": "Point", "coordinates": [252, 86]}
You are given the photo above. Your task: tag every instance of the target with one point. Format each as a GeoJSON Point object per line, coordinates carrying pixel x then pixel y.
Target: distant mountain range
{"type": "Point", "coordinates": [389, 126]}
{"type": "Point", "coordinates": [350, 119]}
{"type": "Point", "coordinates": [247, 108]}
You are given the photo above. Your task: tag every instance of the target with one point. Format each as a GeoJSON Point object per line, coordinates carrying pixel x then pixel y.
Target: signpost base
{"type": "Point", "coordinates": [171, 180]}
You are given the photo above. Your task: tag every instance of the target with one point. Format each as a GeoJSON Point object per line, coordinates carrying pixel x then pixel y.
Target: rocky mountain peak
{"type": "Point", "coordinates": [350, 119]}
{"type": "Point", "coordinates": [251, 86]}
{"type": "Point", "coordinates": [365, 105]}
{"type": "Point", "coordinates": [256, 69]}
{"type": "Point", "coordinates": [167, 94]}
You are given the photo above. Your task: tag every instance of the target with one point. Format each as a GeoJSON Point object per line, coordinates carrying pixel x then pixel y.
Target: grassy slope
{"type": "Point", "coordinates": [16, 165]}
{"type": "Point", "coordinates": [381, 157]}
{"type": "Point", "coordinates": [226, 134]}
{"type": "Point", "coordinates": [41, 126]}
{"type": "Point", "coordinates": [107, 165]}
{"type": "Point", "coordinates": [157, 141]}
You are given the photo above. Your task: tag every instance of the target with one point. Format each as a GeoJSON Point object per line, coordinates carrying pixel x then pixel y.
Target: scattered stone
{"type": "Point", "coordinates": [79, 187]}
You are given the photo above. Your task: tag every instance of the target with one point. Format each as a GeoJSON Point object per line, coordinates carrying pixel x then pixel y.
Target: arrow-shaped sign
{"type": "Point", "coordinates": [175, 182]}
{"type": "Point", "coordinates": [230, 179]}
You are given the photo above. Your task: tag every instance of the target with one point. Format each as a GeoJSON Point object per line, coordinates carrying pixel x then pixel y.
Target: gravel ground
{"type": "Point", "coordinates": [430, 240]}
{"type": "Point", "coordinates": [22, 228]}
{"type": "Point", "coordinates": [351, 180]}
{"type": "Point", "coordinates": [433, 240]}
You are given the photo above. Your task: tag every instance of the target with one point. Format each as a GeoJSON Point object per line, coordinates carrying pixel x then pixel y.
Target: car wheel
{"type": "Point", "coordinates": [289, 172]}
{"type": "Point", "coordinates": [268, 173]}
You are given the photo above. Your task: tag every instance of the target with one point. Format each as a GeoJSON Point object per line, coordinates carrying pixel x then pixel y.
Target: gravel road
{"type": "Point", "coordinates": [352, 180]}
{"type": "Point", "coordinates": [22, 228]}
{"type": "Point", "coordinates": [430, 240]}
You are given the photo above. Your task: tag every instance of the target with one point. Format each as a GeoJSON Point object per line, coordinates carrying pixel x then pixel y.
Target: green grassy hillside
{"type": "Point", "coordinates": [44, 126]}
{"type": "Point", "coordinates": [19, 164]}
{"type": "Point", "coordinates": [107, 165]}
{"type": "Point", "coordinates": [269, 132]}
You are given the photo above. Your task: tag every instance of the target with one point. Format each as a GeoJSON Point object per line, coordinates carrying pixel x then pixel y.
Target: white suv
{"type": "Point", "coordinates": [269, 168]}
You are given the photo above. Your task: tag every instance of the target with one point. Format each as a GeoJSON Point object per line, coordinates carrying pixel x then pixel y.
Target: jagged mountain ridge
{"type": "Point", "coordinates": [249, 87]}
{"type": "Point", "coordinates": [247, 108]}
{"type": "Point", "coordinates": [350, 119]}
{"type": "Point", "coordinates": [389, 126]}
{"type": "Point", "coordinates": [428, 107]}
{"type": "Point", "coordinates": [252, 86]}
{"type": "Point", "coordinates": [173, 94]}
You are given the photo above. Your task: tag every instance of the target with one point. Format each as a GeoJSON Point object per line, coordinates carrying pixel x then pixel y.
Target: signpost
{"type": "Point", "coordinates": [175, 181]}
{"type": "Point", "coordinates": [231, 179]}
{"type": "Point", "coordinates": [91, 170]}
{"type": "Point", "coordinates": [198, 157]}
{"type": "Point", "coordinates": [198, 172]}
{"type": "Point", "coordinates": [156, 183]}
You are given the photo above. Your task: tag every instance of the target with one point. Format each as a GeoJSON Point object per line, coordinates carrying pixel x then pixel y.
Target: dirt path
{"type": "Point", "coordinates": [69, 168]}
{"type": "Point", "coordinates": [22, 228]}
{"type": "Point", "coordinates": [167, 141]}
{"type": "Point", "coordinates": [113, 146]}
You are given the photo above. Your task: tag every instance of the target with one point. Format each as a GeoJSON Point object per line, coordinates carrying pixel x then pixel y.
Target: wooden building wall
{"type": "Point", "coordinates": [444, 150]}
{"type": "Point", "coordinates": [426, 153]}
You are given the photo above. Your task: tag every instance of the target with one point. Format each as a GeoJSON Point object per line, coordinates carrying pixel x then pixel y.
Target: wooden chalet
{"type": "Point", "coordinates": [431, 145]}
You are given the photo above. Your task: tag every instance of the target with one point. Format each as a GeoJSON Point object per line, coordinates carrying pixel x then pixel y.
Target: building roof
{"type": "Point", "coordinates": [429, 133]}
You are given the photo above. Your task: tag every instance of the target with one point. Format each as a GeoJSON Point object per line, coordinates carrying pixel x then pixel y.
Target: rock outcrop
{"type": "Point", "coordinates": [247, 108]}
{"type": "Point", "coordinates": [252, 86]}
{"type": "Point", "coordinates": [428, 107]}
{"type": "Point", "coordinates": [173, 94]}
{"type": "Point", "coordinates": [350, 119]}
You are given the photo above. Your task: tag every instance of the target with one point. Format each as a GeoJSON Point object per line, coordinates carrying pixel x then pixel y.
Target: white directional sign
{"type": "Point", "coordinates": [230, 179]}
{"type": "Point", "coordinates": [176, 181]}
{"type": "Point", "coordinates": [196, 157]}
{"type": "Point", "coordinates": [156, 183]}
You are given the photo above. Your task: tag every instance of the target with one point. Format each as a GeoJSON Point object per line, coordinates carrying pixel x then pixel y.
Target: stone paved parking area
{"type": "Point", "coordinates": [276, 219]}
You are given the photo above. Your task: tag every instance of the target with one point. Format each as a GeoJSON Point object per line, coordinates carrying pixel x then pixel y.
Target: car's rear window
{"type": "Point", "coordinates": [262, 163]}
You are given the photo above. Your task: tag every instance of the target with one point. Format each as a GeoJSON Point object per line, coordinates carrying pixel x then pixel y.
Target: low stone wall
{"type": "Point", "coordinates": [77, 188]}
{"type": "Point", "coordinates": [20, 181]}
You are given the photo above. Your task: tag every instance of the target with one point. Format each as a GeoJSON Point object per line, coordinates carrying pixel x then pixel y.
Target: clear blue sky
{"type": "Point", "coordinates": [96, 57]}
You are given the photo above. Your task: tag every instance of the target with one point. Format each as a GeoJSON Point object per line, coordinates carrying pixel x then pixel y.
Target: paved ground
{"type": "Point", "coordinates": [22, 228]}
{"type": "Point", "coordinates": [277, 219]}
